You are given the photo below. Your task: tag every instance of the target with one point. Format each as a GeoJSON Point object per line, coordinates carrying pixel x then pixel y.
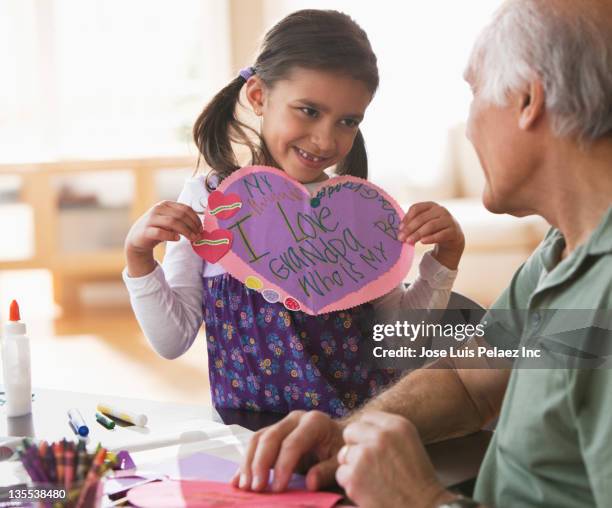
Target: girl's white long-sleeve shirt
{"type": "Point", "coordinates": [168, 302]}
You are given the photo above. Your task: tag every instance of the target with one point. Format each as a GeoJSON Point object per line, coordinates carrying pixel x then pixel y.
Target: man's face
{"type": "Point", "coordinates": [504, 156]}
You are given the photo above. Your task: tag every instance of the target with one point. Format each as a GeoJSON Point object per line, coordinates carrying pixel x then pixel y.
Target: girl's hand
{"type": "Point", "coordinates": [428, 222]}
{"type": "Point", "coordinates": [163, 222]}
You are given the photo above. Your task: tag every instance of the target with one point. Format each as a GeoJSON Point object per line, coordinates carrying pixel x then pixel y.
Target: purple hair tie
{"type": "Point", "coordinates": [247, 72]}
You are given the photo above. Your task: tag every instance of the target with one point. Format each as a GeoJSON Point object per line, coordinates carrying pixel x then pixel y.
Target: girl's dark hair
{"type": "Point", "coordinates": [311, 39]}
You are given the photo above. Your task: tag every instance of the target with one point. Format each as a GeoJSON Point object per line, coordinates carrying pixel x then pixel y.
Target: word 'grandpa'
{"type": "Point", "coordinates": [314, 246]}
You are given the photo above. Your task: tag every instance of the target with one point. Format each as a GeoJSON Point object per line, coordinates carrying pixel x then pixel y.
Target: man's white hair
{"type": "Point", "coordinates": [569, 50]}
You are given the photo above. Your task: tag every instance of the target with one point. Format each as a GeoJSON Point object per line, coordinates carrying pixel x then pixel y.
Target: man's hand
{"type": "Point", "coordinates": [283, 445]}
{"type": "Point", "coordinates": [383, 464]}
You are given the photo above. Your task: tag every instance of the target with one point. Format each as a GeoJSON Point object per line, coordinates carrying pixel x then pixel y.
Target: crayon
{"type": "Point", "coordinates": [92, 476]}
{"type": "Point", "coordinates": [109, 463]}
{"type": "Point", "coordinates": [58, 450]}
{"type": "Point", "coordinates": [107, 466]}
{"type": "Point", "coordinates": [36, 464]}
{"type": "Point", "coordinates": [96, 464]}
{"type": "Point", "coordinates": [82, 461]}
{"type": "Point", "coordinates": [42, 454]}
{"type": "Point", "coordinates": [50, 464]}
{"type": "Point", "coordinates": [69, 465]}
{"type": "Point", "coordinates": [28, 466]}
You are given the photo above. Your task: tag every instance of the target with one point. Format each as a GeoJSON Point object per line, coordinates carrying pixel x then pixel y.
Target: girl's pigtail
{"type": "Point", "coordinates": [356, 161]}
{"type": "Point", "coordinates": [216, 128]}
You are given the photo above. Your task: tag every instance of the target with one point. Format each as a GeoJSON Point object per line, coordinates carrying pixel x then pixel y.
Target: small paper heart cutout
{"type": "Point", "coordinates": [213, 245]}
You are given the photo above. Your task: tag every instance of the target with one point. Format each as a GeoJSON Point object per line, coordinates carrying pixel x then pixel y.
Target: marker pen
{"type": "Point", "coordinates": [77, 423]}
{"type": "Point", "coordinates": [126, 416]}
{"type": "Point", "coordinates": [105, 421]}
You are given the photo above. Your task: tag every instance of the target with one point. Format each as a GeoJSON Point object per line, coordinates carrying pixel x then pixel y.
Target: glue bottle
{"type": "Point", "coordinates": [16, 365]}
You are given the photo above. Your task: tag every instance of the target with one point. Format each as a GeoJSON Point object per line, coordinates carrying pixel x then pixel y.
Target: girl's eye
{"type": "Point", "coordinates": [350, 122]}
{"type": "Point", "coordinates": [309, 112]}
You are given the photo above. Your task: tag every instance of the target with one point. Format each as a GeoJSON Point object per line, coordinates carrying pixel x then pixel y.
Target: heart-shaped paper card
{"type": "Point", "coordinates": [324, 252]}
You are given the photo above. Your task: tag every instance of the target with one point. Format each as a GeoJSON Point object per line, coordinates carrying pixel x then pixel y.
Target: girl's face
{"type": "Point", "coordinates": [309, 120]}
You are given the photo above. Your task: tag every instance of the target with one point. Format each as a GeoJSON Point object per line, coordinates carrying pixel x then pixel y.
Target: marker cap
{"type": "Point", "coordinates": [81, 430]}
{"type": "Point", "coordinates": [77, 423]}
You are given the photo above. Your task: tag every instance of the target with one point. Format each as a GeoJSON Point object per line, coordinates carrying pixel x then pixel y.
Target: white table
{"type": "Point", "coordinates": [175, 430]}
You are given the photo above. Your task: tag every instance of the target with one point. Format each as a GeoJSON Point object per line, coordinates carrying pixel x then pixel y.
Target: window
{"type": "Point", "coordinates": [109, 79]}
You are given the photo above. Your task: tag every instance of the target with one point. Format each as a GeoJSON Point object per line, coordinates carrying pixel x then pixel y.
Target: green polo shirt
{"type": "Point", "coordinates": [553, 441]}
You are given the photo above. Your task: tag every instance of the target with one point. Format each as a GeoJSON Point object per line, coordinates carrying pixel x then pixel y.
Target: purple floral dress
{"type": "Point", "coordinates": [264, 357]}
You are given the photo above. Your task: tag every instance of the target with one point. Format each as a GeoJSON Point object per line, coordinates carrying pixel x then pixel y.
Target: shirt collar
{"type": "Point", "coordinates": [560, 270]}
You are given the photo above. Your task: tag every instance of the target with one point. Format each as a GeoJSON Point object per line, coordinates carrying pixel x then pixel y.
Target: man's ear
{"type": "Point", "coordinates": [256, 93]}
{"type": "Point", "coordinates": [531, 105]}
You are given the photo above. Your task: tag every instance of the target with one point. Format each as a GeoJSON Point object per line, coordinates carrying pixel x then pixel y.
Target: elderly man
{"type": "Point", "coordinates": [541, 123]}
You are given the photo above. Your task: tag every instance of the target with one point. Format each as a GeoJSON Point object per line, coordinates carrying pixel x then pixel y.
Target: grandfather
{"type": "Point", "coordinates": [541, 123]}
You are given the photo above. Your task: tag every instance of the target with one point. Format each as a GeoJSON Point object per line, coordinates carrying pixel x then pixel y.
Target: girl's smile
{"type": "Point", "coordinates": [313, 161]}
{"type": "Point", "coordinates": [309, 120]}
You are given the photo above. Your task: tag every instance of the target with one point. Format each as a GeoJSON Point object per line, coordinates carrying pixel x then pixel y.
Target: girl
{"type": "Point", "coordinates": [310, 85]}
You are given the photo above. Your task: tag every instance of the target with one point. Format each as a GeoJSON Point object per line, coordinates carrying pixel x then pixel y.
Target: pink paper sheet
{"type": "Point", "coordinates": [200, 494]}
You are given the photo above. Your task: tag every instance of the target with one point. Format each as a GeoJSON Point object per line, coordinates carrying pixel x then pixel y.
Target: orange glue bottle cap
{"type": "Point", "coordinates": [14, 325]}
